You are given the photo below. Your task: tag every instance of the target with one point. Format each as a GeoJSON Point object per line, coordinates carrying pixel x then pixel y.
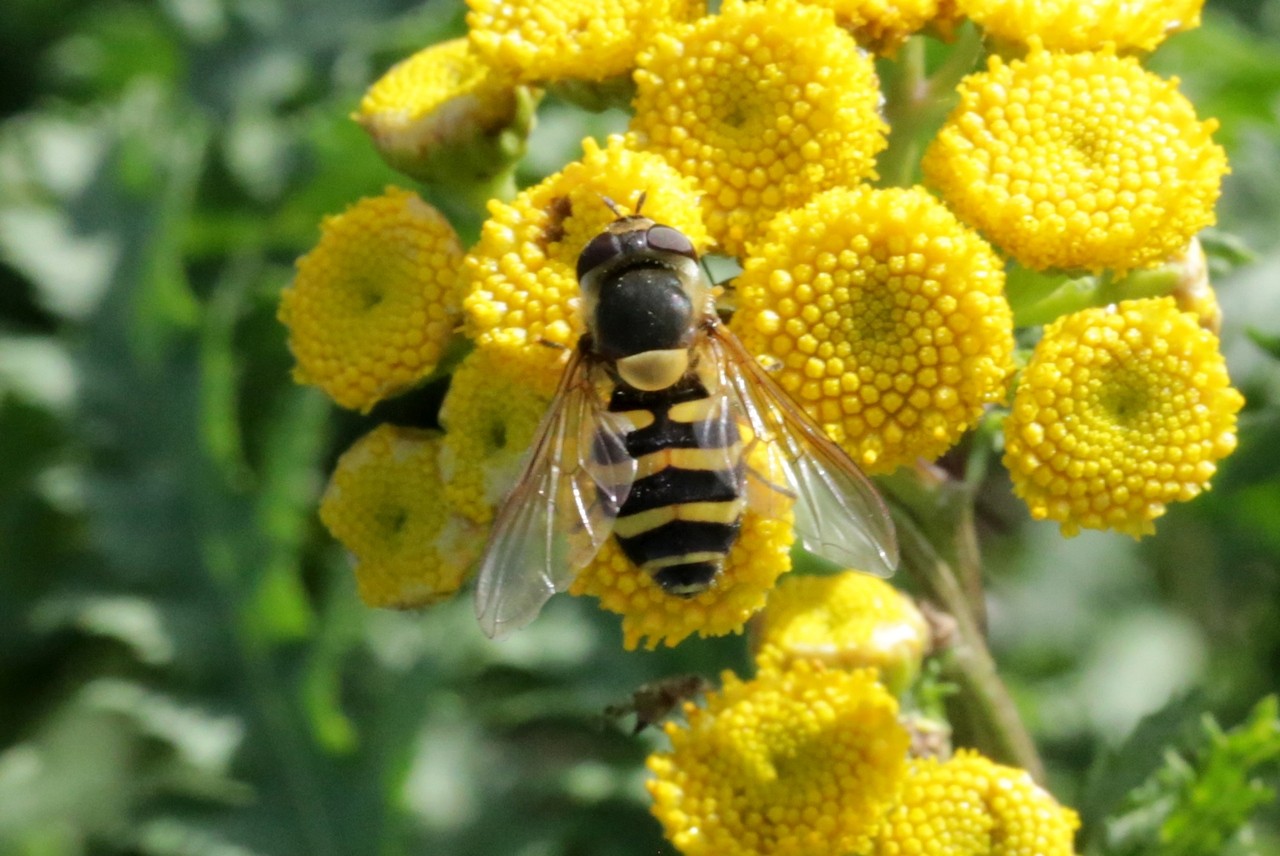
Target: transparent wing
{"type": "Point", "coordinates": [562, 507]}
{"type": "Point", "coordinates": [839, 514]}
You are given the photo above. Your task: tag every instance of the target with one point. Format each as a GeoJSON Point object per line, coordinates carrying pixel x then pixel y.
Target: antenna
{"type": "Point", "coordinates": [617, 212]}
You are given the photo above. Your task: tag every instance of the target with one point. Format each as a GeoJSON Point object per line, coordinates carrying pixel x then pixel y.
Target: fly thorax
{"type": "Point", "coordinates": [642, 308]}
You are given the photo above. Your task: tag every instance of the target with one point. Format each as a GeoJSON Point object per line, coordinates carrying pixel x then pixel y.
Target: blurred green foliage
{"type": "Point", "coordinates": [184, 665]}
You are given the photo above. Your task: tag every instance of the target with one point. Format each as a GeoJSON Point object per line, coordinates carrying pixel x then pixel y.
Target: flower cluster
{"type": "Point", "coordinates": [969, 806]}
{"type": "Point", "coordinates": [1121, 410]}
{"type": "Point", "coordinates": [1057, 211]}
{"type": "Point", "coordinates": [811, 758]}
{"type": "Point", "coordinates": [885, 312]}
{"type": "Point", "coordinates": [797, 761]}
{"type": "Point", "coordinates": [376, 302]}
{"type": "Point", "coordinates": [1081, 160]}
{"type": "Point", "coordinates": [383, 503]}
{"type": "Point", "coordinates": [849, 620]}
{"type": "Point", "coordinates": [888, 318]}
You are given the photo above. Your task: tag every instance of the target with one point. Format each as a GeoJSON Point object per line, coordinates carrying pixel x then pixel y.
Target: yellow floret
{"type": "Point", "coordinates": [444, 115]}
{"type": "Point", "coordinates": [942, 811]}
{"type": "Point", "coordinates": [801, 762]}
{"type": "Point", "coordinates": [764, 105]}
{"type": "Point", "coordinates": [651, 616]}
{"type": "Point", "coordinates": [1080, 25]}
{"type": "Point", "coordinates": [550, 40]}
{"type": "Point", "coordinates": [522, 284]}
{"type": "Point", "coordinates": [888, 318]}
{"type": "Point", "coordinates": [882, 25]}
{"type": "Point", "coordinates": [1077, 161]}
{"type": "Point", "coordinates": [385, 504]}
{"type": "Point", "coordinates": [969, 806]}
{"type": "Point", "coordinates": [376, 302]}
{"type": "Point", "coordinates": [490, 415]}
{"type": "Point", "coordinates": [1120, 411]}
{"type": "Point", "coordinates": [848, 620]}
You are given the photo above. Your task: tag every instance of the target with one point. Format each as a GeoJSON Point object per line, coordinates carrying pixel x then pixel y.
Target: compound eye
{"type": "Point", "coordinates": [603, 248]}
{"type": "Point", "coordinates": [670, 240]}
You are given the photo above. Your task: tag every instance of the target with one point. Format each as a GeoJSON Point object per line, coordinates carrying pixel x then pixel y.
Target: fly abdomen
{"type": "Point", "coordinates": [685, 506]}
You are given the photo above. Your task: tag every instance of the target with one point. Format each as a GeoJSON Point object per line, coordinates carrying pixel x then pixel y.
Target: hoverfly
{"type": "Point", "coordinates": [647, 440]}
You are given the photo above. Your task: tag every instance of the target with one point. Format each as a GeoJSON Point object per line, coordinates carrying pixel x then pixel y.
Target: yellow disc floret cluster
{"type": "Point", "coordinates": [969, 806]}
{"type": "Point", "coordinates": [522, 283]}
{"type": "Point", "coordinates": [847, 620]}
{"type": "Point", "coordinates": [549, 40]}
{"type": "Point", "coordinates": [764, 105]}
{"type": "Point", "coordinates": [888, 318]}
{"type": "Point", "coordinates": [1077, 25]}
{"type": "Point", "coordinates": [1077, 161]}
{"type": "Point", "coordinates": [1120, 411]}
{"type": "Point", "coordinates": [651, 616]}
{"type": "Point", "coordinates": [441, 114]}
{"type": "Point", "coordinates": [376, 302]}
{"type": "Point", "coordinates": [882, 25]}
{"type": "Point", "coordinates": [800, 762]}
{"type": "Point", "coordinates": [490, 414]}
{"type": "Point", "coordinates": [385, 504]}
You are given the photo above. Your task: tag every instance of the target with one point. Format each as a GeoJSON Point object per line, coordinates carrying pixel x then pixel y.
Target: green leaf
{"type": "Point", "coordinates": [1200, 800]}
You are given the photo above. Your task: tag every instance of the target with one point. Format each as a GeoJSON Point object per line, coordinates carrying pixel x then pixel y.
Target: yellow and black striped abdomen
{"type": "Point", "coordinates": [685, 506]}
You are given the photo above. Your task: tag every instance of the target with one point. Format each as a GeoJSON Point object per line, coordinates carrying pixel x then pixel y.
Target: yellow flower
{"type": "Point", "coordinates": [968, 806]}
{"type": "Point", "coordinates": [796, 762]}
{"type": "Point", "coordinates": [376, 302]}
{"type": "Point", "coordinates": [548, 40]}
{"type": "Point", "coordinates": [522, 287]}
{"type": "Point", "coordinates": [848, 620]}
{"type": "Point", "coordinates": [764, 105]}
{"type": "Point", "coordinates": [1120, 411]}
{"type": "Point", "coordinates": [888, 318]}
{"type": "Point", "coordinates": [1077, 161]}
{"type": "Point", "coordinates": [882, 24]}
{"type": "Point", "coordinates": [443, 115]}
{"type": "Point", "coordinates": [489, 414]}
{"type": "Point", "coordinates": [1079, 25]}
{"type": "Point", "coordinates": [385, 504]}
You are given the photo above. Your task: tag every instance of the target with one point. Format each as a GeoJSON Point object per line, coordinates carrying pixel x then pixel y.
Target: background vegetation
{"type": "Point", "coordinates": [184, 665]}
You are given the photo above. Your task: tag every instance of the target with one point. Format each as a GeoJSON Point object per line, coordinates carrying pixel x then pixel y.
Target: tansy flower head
{"type": "Point", "coordinates": [489, 414]}
{"type": "Point", "coordinates": [846, 620]}
{"type": "Point", "coordinates": [443, 115]}
{"type": "Point", "coordinates": [375, 303]}
{"type": "Point", "coordinates": [548, 40]}
{"type": "Point", "coordinates": [651, 616]}
{"type": "Point", "coordinates": [882, 25]}
{"type": "Point", "coordinates": [968, 806]}
{"type": "Point", "coordinates": [1120, 411]}
{"type": "Point", "coordinates": [888, 318]}
{"type": "Point", "coordinates": [800, 761]}
{"type": "Point", "coordinates": [522, 275]}
{"type": "Point", "coordinates": [1079, 25]}
{"type": "Point", "coordinates": [385, 504]}
{"type": "Point", "coordinates": [764, 105]}
{"type": "Point", "coordinates": [1077, 161]}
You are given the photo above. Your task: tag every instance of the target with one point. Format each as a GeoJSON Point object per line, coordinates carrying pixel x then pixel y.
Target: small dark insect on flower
{"type": "Point", "coordinates": [655, 701]}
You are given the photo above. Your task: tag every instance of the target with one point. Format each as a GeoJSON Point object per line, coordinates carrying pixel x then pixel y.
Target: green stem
{"type": "Point", "coordinates": [917, 101]}
{"type": "Point", "coordinates": [903, 109]}
{"type": "Point", "coordinates": [990, 712]}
